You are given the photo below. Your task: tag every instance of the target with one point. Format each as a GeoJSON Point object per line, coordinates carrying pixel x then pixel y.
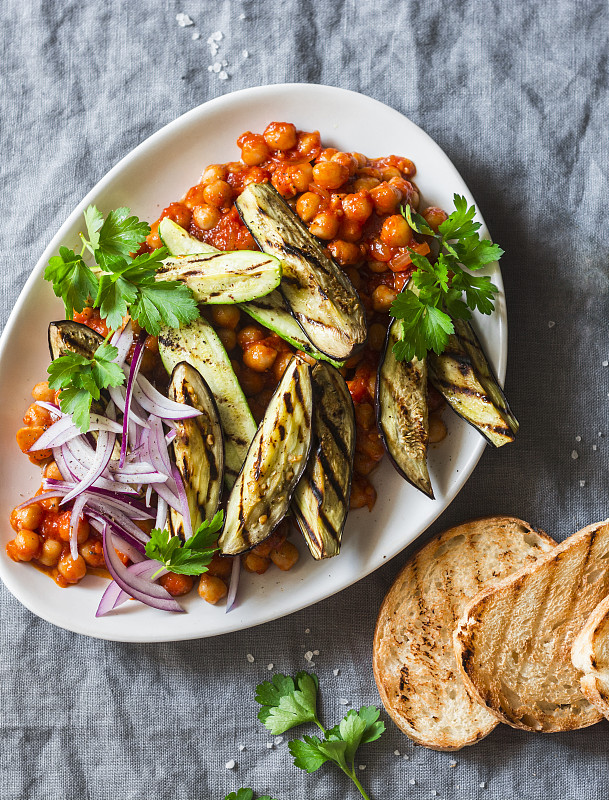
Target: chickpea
{"type": "Point", "coordinates": [27, 544]}
{"type": "Point", "coordinates": [281, 363]}
{"type": "Point", "coordinates": [363, 494]}
{"type": "Point", "coordinates": [437, 428]}
{"type": "Point", "coordinates": [255, 563]}
{"type": "Point", "coordinates": [382, 298]}
{"type": "Point", "coordinates": [259, 357]}
{"type": "Point", "coordinates": [346, 160]}
{"type": "Point", "coordinates": [365, 183]}
{"type": "Point", "coordinates": [387, 173]}
{"type": "Point", "coordinates": [248, 335]}
{"type": "Point", "coordinates": [50, 553]}
{"type": "Point", "coordinates": [344, 253]}
{"type": "Point", "coordinates": [280, 135]}
{"type": "Point", "coordinates": [52, 471]}
{"type": "Point", "coordinates": [380, 251]}
{"type": "Point", "coordinates": [220, 566]}
{"type": "Point", "coordinates": [215, 172]}
{"type": "Point", "coordinates": [327, 154]}
{"type": "Point", "coordinates": [226, 316]}
{"type": "Point", "coordinates": [330, 174]}
{"type": "Point", "coordinates": [228, 337]}
{"type": "Point", "coordinates": [28, 517]}
{"type": "Point", "coordinates": [153, 239]}
{"type": "Point", "coordinates": [72, 570]}
{"type": "Point", "coordinates": [362, 464]}
{"type": "Point", "coordinates": [365, 416]}
{"type": "Point", "coordinates": [354, 277]}
{"type": "Point", "coordinates": [290, 179]}
{"type": "Point", "coordinates": [307, 206]}
{"type": "Point", "coordinates": [205, 216]}
{"type": "Point", "coordinates": [396, 232]}
{"type": "Point", "coordinates": [218, 194]}
{"type": "Point", "coordinates": [370, 445]}
{"type": "Point", "coordinates": [285, 556]}
{"type": "Point", "coordinates": [176, 585]}
{"type": "Point", "coordinates": [42, 392]}
{"type": "Point", "coordinates": [194, 196]}
{"type": "Point", "coordinates": [309, 145]}
{"type": "Point", "coordinates": [357, 207]}
{"type": "Point", "coordinates": [350, 231]}
{"type": "Point", "coordinates": [82, 531]}
{"type": "Point", "coordinates": [251, 382]}
{"type": "Point", "coordinates": [93, 552]}
{"type": "Point", "coordinates": [385, 198]}
{"type": "Point", "coordinates": [50, 504]}
{"type": "Point", "coordinates": [376, 336]}
{"type": "Point", "coordinates": [27, 437]}
{"type": "Point", "coordinates": [211, 588]}
{"type": "Point", "coordinates": [254, 150]}
{"type": "Point", "coordinates": [179, 213]}
{"type": "Point", "coordinates": [325, 225]}
{"type": "Point", "coordinates": [434, 217]}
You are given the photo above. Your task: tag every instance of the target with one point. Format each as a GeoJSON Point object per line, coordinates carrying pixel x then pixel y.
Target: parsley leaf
{"type": "Point", "coordinates": [442, 290]}
{"type": "Point", "coordinates": [245, 794]}
{"type": "Point", "coordinates": [164, 303]}
{"type": "Point", "coordinates": [94, 219]}
{"type": "Point", "coordinates": [287, 702]}
{"type": "Point", "coordinates": [121, 234]}
{"type": "Point", "coordinates": [72, 280]}
{"type": "Point", "coordinates": [190, 557]}
{"type": "Point", "coordinates": [81, 380]}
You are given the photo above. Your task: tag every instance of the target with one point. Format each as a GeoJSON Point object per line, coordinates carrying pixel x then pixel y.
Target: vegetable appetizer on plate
{"type": "Point", "coordinates": [236, 371]}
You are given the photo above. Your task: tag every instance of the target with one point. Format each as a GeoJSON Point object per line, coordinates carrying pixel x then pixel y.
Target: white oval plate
{"type": "Point", "coordinates": [157, 172]}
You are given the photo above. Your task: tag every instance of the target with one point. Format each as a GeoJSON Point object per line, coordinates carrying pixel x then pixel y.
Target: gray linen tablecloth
{"type": "Point", "coordinates": [517, 95]}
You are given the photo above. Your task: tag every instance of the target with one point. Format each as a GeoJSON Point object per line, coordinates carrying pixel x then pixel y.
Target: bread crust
{"type": "Point", "coordinates": [513, 641]}
{"type": "Point", "coordinates": [413, 660]}
{"type": "Point", "coordinates": [589, 655]}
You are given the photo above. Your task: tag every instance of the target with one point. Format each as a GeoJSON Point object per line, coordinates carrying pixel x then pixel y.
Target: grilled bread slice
{"type": "Point", "coordinates": [513, 642]}
{"type": "Point", "coordinates": [414, 663]}
{"type": "Point", "coordinates": [590, 655]}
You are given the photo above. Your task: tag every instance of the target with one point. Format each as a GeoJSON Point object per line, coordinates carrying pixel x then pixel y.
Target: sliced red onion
{"type": "Point", "coordinates": [184, 507]}
{"type": "Point", "coordinates": [156, 403]}
{"type": "Point", "coordinates": [234, 583]}
{"type": "Point", "coordinates": [131, 507]}
{"type": "Point", "coordinates": [75, 518]}
{"type": "Point", "coordinates": [62, 464]}
{"type": "Point", "coordinates": [141, 472]}
{"type": "Point", "coordinates": [37, 498]}
{"type": "Point", "coordinates": [114, 596]}
{"type": "Point", "coordinates": [158, 454]}
{"type": "Point", "coordinates": [169, 437]}
{"type": "Point", "coordinates": [103, 454]}
{"type": "Point", "coordinates": [54, 409]}
{"type": "Point", "coordinates": [148, 495]}
{"type": "Point", "coordinates": [137, 587]}
{"type": "Point", "coordinates": [117, 393]}
{"type": "Point", "coordinates": [64, 429]}
{"type": "Point", "coordinates": [72, 469]}
{"type": "Point", "coordinates": [122, 340]}
{"type": "Point", "coordinates": [136, 361]}
{"type": "Point", "coordinates": [161, 514]}
{"type": "Point", "coordinates": [129, 544]}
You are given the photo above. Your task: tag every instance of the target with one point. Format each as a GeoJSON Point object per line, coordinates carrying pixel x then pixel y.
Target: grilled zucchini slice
{"type": "Point", "coordinates": [199, 346]}
{"type": "Point", "coordinates": [401, 412]}
{"type": "Point", "coordinates": [179, 242]}
{"type": "Point", "coordinates": [455, 376]}
{"type": "Point", "coordinates": [216, 278]}
{"type": "Point", "coordinates": [317, 291]}
{"type": "Point", "coordinates": [73, 337]}
{"type": "Point", "coordinates": [321, 499]}
{"type": "Point", "coordinates": [198, 447]}
{"type": "Point", "coordinates": [275, 461]}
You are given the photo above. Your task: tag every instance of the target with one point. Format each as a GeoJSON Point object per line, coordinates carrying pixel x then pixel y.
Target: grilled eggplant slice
{"type": "Point", "coordinates": [321, 499]}
{"type": "Point", "coordinates": [318, 293]}
{"type": "Point", "coordinates": [216, 278]}
{"type": "Point", "coordinates": [275, 461]}
{"type": "Point", "coordinates": [456, 377]}
{"type": "Point", "coordinates": [401, 412]}
{"type": "Point", "coordinates": [179, 242]}
{"type": "Point", "coordinates": [199, 346]}
{"type": "Point", "coordinates": [73, 337]}
{"type": "Point", "coordinates": [198, 447]}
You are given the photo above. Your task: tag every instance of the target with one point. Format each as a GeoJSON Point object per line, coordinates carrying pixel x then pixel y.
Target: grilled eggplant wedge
{"type": "Point", "coordinates": [275, 461]}
{"type": "Point", "coordinates": [455, 375]}
{"type": "Point", "coordinates": [198, 447]}
{"type": "Point", "coordinates": [321, 499]}
{"type": "Point", "coordinates": [73, 337]}
{"type": "Point", "coordinates": [216, 278]}
{"type": "Point", "coordinates": [318, 293]}
{"type": "Point", "coordinates": [199, 346]}
{"type": "Point", "coordinates": [401, 412]}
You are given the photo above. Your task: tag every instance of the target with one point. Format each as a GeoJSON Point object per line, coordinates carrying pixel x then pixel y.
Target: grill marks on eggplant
{"type": "Point", "coordinates": [402, 415]}
{"type": "Point", "coordinates": [198, 345]}
{"type": "Point", "coordinates": [321, 499]}
{"type": "Point", "coordinates": [318, 293]}
{"type": "Point", "coordinates": [275, 461]}
{"type": "Point", "coordinates": [73, 337]}
{"type": "Point", "coordinates": [198, 447]}
{"type": "Point", "coordinates": [470, 388]}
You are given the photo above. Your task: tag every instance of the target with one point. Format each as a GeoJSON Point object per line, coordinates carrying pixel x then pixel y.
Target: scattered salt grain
{"type": "Point", "coordinates": [223, 75]}
{"type": "Point", "coordinates": [230, 764]}
{"type": "Point", "coordinates": [245, 54]}
{"type": "Point", "coordinates": [307, 630]}
{"type": "Point", "coordinates": [216, 67]}
{"type": "Point", "coordinates": [270, 745]}
{"type": "Point", "coordinates": [225, 63]}
{"type": "Point", "coordinates": [343, 701]}
{"type": "Point", "coordinates": [210, 68]}
{"type": "Point", "coordinates": [551, 324]}
{"type": "Point", "coordinates": [452, 764]}
{"type": "Point", "coordinates": [595, 447]}
{"type": "Point", "coordinates": [578, 438]}
{"type": "Point", "coordinates": [605, 363]}
{"type": "Point", "coordinates": [362, 767]}
{"type": "Point", "coordinates": [270, 667]}
{"type": "Point", "coordinates": [250, 658]}
{"type": "Point", "coordinates": [308, 655]}
{"type": "Point", "coordinates": [216, 36]}
{"type": "Point", "coordinates": [434, 793]}
{"type": "Point", "coordinates": [315, 652]}
{"type": "Point", "coordinates": [574, 454]}
{"type": "Point", "coordinates": [241, 16]}
{"type": "Point", "coordinates": [582, 484]}
{"type": "Point", "coordinates": [483, 784]}
{"type": "Point", "coordinates": [241, 748]}
{"type": "Point", "coordinates": [600, 433]}
{"type": "Point", "coordinates": [412, 782]}
{"type": "Point", "coordinates": [183, 20]}
{"type": "Point", "coordinates": [396, 752]}
{"type": "Point", "coordinates": [279, 740]}
{"type": "Point", "coordinates": [336, 672]}
{"type": "Point", "coordinates": [196, 35]}
{"type": "Point", "coordinates": [406, 757]}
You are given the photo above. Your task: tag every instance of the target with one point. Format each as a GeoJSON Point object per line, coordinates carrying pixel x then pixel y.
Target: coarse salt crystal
{"type": "Point", "coordinates": [335, 672]}
{"type": "Point", "coordinates": [183, 20]}
{"type": "Point", "coordinates": [241, 16]}
{"type": "Point", "coordinates": [230, 764]}
{"type": "Point", "coordinates": [217, 67]}
{"type": "Point", "coordinates": [315, 652]}
{"type": "Point", "coordinates": [574, 454]}
{"type": "Point", "coordinates": [605, 363]}
{"type": "Point", "coordinates": [279, 740]}
{"type": "Point", "coordinates": [196, 35]}
{"type": "Point", "coordinates": [210, 68]}
{"type": "Point", "coordinates": [217, 36]}
{"type": "Point", "coordinates": [270, 745]}
{"type": "Point", "coordinates": [307, 630]}
{"type": "Point", "coordinates": [396, 752]}
{"type": "Point", "coordinates": [406, 757]}
{"type": "Point", "coordinates": [225, 63]}
{"type": "Point", "coordinates": [245, 54]}
{"type": "Point", "coordinates": [412, 782]}
{"type": "Point", "coordinates": [270, 667]}
{"type": "Point", "coordinates": [483, 784]}
{"type": "Point", "coordinates": [223, 75]}
{"type": "Point", "coordinates": [595, 447]}
{"type": "Point", "coordinates": [578, 438]}
{"type": "Point", "coordinates": [582, 483]}
{"type": "Point", "coordinates": [308, 655]}
{"type": "Point", "coordinates": [362, 767]}
{"type": "Point", "coordinates": [452, 764]}
{"type": "Point", "coordinates": [343, 701]}
{"type": "Point", "coordinates": [241, 747]}
{"type": "Point", "coordinates": [250, 658]}
{"type": "Point", "coordinates": [434, 793]}
{"type": "Point", "coordinates": [600, 433]}
{"type": "Point", "coordinates": [551, 324]}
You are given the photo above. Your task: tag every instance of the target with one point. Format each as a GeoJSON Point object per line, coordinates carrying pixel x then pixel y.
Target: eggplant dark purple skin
{"type": "Point", "coordinates": [402, 413]}
{"type": "Point", "coordinates": [321, 499]}
{"type": "Point", "coordinates": [66, 335]}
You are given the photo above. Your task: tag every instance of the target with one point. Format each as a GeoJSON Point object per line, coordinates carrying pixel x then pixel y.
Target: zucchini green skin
{"type": "Point", "coordinates": [402, 414]}
{"type": "Point", "coordinates": [74, 337]}
{"type": "Point", "coordinates": [321, 499]}
{"type": "Point", "coordinates": [198, 345]}
{"type": "Point", "coordinates": [179, 242]}
{"type": "Point", "coordinates": [221, 278]}
{"type": "Point", "coordinates": [318, 293]}
{"type": "Point", "coordinates": [455, 376]}
{"type": "Point", "coordinates": [198, 447]}
{"type": "Point", "coordinates": [275, 461]}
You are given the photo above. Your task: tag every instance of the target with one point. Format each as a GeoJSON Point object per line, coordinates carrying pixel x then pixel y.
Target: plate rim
{"type": "Point", "coordinates": [167, 131]}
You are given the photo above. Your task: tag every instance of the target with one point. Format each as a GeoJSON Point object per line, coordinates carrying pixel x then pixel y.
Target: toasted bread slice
{"type": "Point", "coordinates": [590, 655]}
{"type": "Point", "coordinates": [414, 663]}
{"type": "Point", "coordinates": [513, 642]}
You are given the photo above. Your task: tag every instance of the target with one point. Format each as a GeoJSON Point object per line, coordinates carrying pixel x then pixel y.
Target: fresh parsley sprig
{"type": "Point", "coordinates": [186, 558]}
{"type": "Point", "coordinates": [120, 283]}
{"type": "Point", "coordinates": [287, 702]}
{"type": "Point", "coordinates": [81, 380]}
{"type": "Point", "coordinates": [246, 794]}
{"type": "Point", "coordinates": [443, 290]}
